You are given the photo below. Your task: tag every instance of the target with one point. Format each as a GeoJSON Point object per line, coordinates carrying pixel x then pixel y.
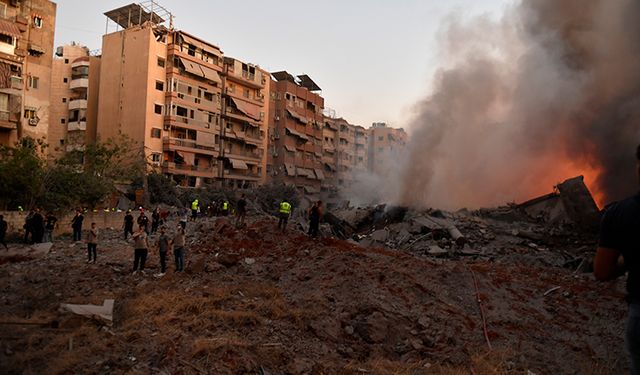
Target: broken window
{"type": "Point", "coordinates": [37, 21]}
{"type": "Point", "coordinates": [156, 133]}
{"type": "Point", "coordinates": [161, 62]}
{"type": "Point", "coordinates": [208, 96]}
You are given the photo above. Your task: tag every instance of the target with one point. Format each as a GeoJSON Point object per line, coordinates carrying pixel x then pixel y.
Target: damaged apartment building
{"type": "Point", "coordinates": [26, 55]}
{"type": "Point", "coordinates": [198, 115]}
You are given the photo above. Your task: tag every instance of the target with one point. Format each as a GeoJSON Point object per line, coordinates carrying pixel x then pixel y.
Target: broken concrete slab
{"type": "Point", "coordinates": [104, 312]}
{"type": "Point", "coordinates": [380, 235]}
{"type": "Point", "coordinates": [436, 250]}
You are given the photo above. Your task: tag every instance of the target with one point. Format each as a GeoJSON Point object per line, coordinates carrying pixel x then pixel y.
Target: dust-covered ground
{"type": "Point", "coordinates": [255, 301]}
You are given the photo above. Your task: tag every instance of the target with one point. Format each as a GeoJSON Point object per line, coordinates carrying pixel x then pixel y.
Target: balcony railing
{"type": "Point", "coordinates": [187, 143]}
{"type": "Point", "coordinates": [189, 168]}
{"type": "Point", "coordinates": [79, 83]}
{"type": "Point", "coordinates": [76, 125]}
{"type": "Point", "coordinates": [77, 104]}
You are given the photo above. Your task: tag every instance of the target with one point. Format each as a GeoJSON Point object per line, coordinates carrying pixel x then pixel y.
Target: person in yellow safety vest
{"type": "Point", "coordinates": [194, 210]}
{"type": "Point", "coordinates": [225, 208]}
{"type": "Point", "coordinates": [284, 212]}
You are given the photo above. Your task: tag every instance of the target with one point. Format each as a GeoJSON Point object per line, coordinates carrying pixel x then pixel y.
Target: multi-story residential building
{"type": "Point", "coordinates": [361, 152]}
{"type": "Point", "coordinates": [26, 55]}
{"type": "Point", "coordinates": [386, 146]}
{"type": "Point", "coordinates": [346, 151]}
{"type": "Point", "coordinates": [330, 154]}
{"type": "Point", "coordinates": [296, 132]}
{"type": "Point", "coordinates": [75, 84]}
{"type": "Point", "coordinates": [198, 115]}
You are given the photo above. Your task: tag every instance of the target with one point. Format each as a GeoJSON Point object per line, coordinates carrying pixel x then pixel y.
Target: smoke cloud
{"type": "Point", "coordinates": [548, 92]}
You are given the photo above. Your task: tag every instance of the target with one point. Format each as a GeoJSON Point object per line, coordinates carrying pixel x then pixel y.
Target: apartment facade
{"type": "Point", "coordinates": [296, 132]}
{"type": "Point", "coordinates": [75, 85]}
{"type": "Point", "coordinates": [361, 150]}
{"type": "Point", "coordinates": [386, 147]}
{"type": "Point", "coordinates": [26, 57]}
{"type": "Point", "coordinates": [330, 155]}
{"type": "Point", "coordinates": [199, 116]}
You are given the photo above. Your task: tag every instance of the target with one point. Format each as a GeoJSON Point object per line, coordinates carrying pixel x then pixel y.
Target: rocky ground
{"type": "Point", "coordinates": [258, 302]}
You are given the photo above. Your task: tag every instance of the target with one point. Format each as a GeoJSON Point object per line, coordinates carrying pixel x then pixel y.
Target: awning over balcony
{"type": "Point", "coordinates": [210, 74]}
{"type": "Point", "coordinates": [310, 190]}
{"type": "Point", "coordinates": [246, 108]}
{"type": "Point", "coordinates": [192, 67]}
{"type": "Point", "coordinates": [308, 173]}
{"type": "Point", "coordinates": [35, 48]}
{"type": "Point", "coordinates": [290, 168]}
{"type": "Point", "coordinates": [297, 134]}
{"type": "Point", "coordinates": [329, 167]}
{"type": "Point", "coordinates": [238, 164]}
{"type": "Point", "coordinates": [9, 28]}
{"type": "Point", "coordinates": [199, 44]}
{"type": "Point", "coordinates": [319, 174]}
{"type": "Point", "coordinates": [289, 148]}
{"type": "Point", "coordinates": [296, 116]}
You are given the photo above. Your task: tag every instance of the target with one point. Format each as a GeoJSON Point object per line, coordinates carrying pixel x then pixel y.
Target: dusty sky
{"type": "Point", "coordinates": [373, 59]}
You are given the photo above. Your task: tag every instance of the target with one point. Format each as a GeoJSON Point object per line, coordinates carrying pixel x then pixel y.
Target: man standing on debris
{"type": "Point", "coordinates": [155, 220]}
{"type": "Point", "coordinates": [92, 243]}
{"type": "Point", "coordinates": [194, 209]}
{"type": "Point", "coordinates": [163, 249]}
{"type": "Point", "coordinates": [128, 224]}
{"type": "Point", "coordinates": [284, 212]}
{"type": "Point", "coordinates": [225, 207]}
{"type": "Point", "coordinates": [179, 242]}
{"type": "Point", "coordinates": [315, 214]}
{"type": "Point", "coordinates": [143, 221]}
{"type": "Point", "coordinates": [50, 226]}
{"type": "Point", "coordinates": [619, 252]}
{"type": "Point", "coordinates": [28, 227]}
{"type": "Point", "coordinates": [76, 225]}
{"type": "Point", "coordinates": [3, 231]}
{"type": "Point", "coordinates": [37, 226]}
{"type": "Point", "coordinates": [140, 246]}
{"type": "Point", "coordinates": [241, 211]}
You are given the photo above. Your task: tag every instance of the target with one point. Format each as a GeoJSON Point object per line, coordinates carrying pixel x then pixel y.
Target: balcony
{"type": "Point", "coordinates": [189, 170]}
{"type": "Point", "coordinates": [79, 83]}
{"type": "Point", "coordinates": [241, 175]}
{"type": "Point", "coordinates": [77, 125]}
{"type": "Point", "coordinates": [246, 78]}
{"type": "Point", "coordinates": [179, 144]}
{"type": "Point", "coordinates": [189, 123]}
{"type": "Point", "coordinates": [77, 104]}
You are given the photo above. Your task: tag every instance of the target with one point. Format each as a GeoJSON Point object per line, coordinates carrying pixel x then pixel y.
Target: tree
{"type": "Point", "coordinates": [21, 173]}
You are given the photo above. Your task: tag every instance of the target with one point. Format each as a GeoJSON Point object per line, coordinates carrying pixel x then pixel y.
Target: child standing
{"type": "Point", "coordinates": [92, 243]}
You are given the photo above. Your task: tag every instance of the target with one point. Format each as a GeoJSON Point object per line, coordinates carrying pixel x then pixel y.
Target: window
{"type": "Point", "coordinates": [65, 80]}
{"type": "Point", "coordinates": [246, 93]}
{"type": "Point", "coordinates": [181, 111]}
{"type": "Point", "coordinates": [381, 138]}
{"type": "Point", "coordinates": [37, 21]}
{"type": "Point", "coordinates": [157, 109]}
{"type": "Point", "coordinates": [159, 85]}
{"type": "Point", "coordinates": [64, 100]}
{"type": "Point", "coordinates": [208, 96]}
{"type": "Point", "coordinates": [6, 39]}
{"type": "Point", "coordinates": [66, 61]}
{"type": "Point", "coordinates": [161, 62]}
{"type": "Point", "coordinates": [62, 142]}
{"type": "Point", "coordinates": [29, 113]}
{"type": "Point", "coordinates": [155, 133]}
{"type": "Point", "coordinates": [155, 157]}
{"type": "Point", "coordinates": [63, 121]}
{"type": "Point", "coordinates": [33, 82]}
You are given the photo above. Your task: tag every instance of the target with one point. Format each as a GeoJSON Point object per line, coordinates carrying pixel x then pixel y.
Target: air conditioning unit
{"type": "Point", "coordinates": [33, 121]}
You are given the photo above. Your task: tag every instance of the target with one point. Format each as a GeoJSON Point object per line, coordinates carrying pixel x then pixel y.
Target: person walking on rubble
{"type": "Point", "coordinates": [3, 231]}
{"type": "Point", "coordinates": [92, 243]}
{"type": "Point", "coordinates": [155, 220]}
{"type": "Point", "coordinates": [76, 225]}
{"type": "Point", "coordinates": [143, 220]}
{"type": "Point", "coordinates": [141, 249]}
{"type": "Point", "coordinates": [128, 224]}
{"type": "Point", "coordinates": [241, 211]}
{"type": "Point", "coordinates": [315, 215]}
{"type": "Point", "coordinates": [225, 208]}
{"type": "Point", "coordinates": [194, 209]}
{"type": "Point", "coordinates": [179, 242]}
{"type": "Point", "coordinates": [37, 226]}
{"type": "Point", "coordinates": [49, 226]}
{"type": "Point", "coordinates": [28, 226]}
{"type": "Point", "coordinates": [163, 248]}
{"type": "Point", "coordinates": [284, 212]}
{"type": "Point", "coordinates": [619, 252]}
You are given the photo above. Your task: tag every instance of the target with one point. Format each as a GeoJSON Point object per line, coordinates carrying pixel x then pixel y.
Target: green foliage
{"type": "Point", "coordinates": [79, 178]}
{"type": "Point", "coordinates": [162, 190]}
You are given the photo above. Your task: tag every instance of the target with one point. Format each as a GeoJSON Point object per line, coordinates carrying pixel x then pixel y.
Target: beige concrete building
{"type": "Point", "coordinates": [74, 101]}
{"type": "Point", "coordinates": [26, 56]}
{"type": "Point", "coordinates": [330, 155]}
{"type": "Point", "coordinates": [361, 149]}
{"type": "Point", "coordinates": [386, 146]}
{"type": "Point", "coordinates": [198, 116]}
{"type": "Point", "coordinates": [296, 132]}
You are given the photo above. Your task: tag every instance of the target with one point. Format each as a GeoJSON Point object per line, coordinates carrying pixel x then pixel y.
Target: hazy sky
{"type": "Point", "coordinates": [373, 59]}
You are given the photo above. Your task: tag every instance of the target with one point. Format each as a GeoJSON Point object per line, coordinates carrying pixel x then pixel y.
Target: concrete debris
{"type": "Point", "coordinates": [104, 312]}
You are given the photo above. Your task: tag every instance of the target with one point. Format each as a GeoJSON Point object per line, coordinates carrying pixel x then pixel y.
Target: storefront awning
{"type": "Point", "coordinates": [238, 164]}
{"type": "Point", "coordinates": [192, 67]}
{"type": "Point", "coordinates": [319, 174]}
{"type": "Point", "coordinates": [9, 28]}
{"type": "Point", "coordinates": [291, 169]}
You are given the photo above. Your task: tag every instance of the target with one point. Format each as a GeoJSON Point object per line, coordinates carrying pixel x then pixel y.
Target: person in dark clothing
{"type": "Point", "coordinates": [155, 220]}
{"type": "Point", "coordinates": [92, 243]}
{"type": "Point", "coordinates": [76, 225]}
{"type": "Point", "coordinates": [28, 226]}
{"type": "Point", "coordinates": [37, 226]}
{"type": "Point", "coordinates": [164, 242]}
{"type": "Point", "coordinates": [143, 221]}
{"type": "Point", "coordinates": [315, 214]}
{"type": "Point", "coordinates": [179, 243]}
{"type": "Point", "coordinates": [128, 224]}
{"type": "Point", "coordinates": [619, 253]}
{"type": "Point", "coordinates": [3, 231]}
{"type": "Point", "coordinates": [241, 211]}
{"type": "Point", "coordinates": [49, 226]}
